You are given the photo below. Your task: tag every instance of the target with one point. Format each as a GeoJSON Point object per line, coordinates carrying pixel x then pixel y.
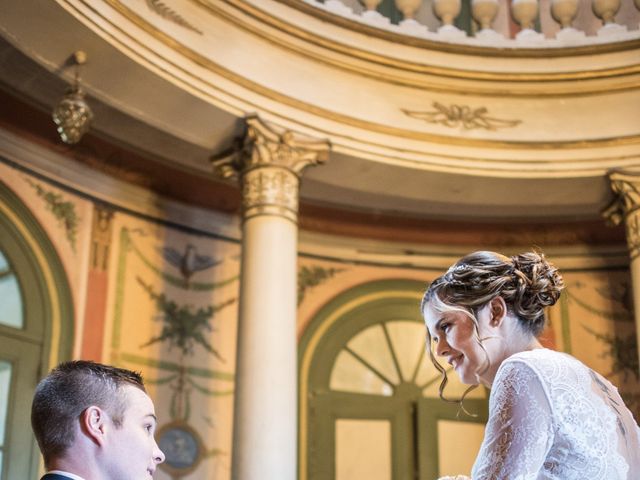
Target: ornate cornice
{"type": "Point", "coordinates": [268, 162]}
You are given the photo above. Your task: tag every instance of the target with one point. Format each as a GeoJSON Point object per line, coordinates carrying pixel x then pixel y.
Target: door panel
{"type": "Point", "coordinates": [334, 413]}
{"type": "Point", "coordinates": [439, 425]}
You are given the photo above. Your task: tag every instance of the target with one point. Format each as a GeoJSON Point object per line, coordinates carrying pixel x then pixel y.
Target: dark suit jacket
{"type": "Point", "coordinates": [54, 476]}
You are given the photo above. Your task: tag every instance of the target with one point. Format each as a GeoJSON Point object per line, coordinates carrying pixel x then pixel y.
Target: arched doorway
{"type": "Point", "coordinates": [36, 328]}
{"type": "Point", "coordinates": [369, 402]}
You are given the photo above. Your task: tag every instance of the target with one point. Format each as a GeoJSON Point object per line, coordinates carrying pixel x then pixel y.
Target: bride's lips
{"type": "Point", "coordinates": [455, 361]}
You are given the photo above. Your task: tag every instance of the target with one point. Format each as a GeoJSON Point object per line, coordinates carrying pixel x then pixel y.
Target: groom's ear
{"type": "Point", "coordinates": [93, 423]}
{"type": "Point", "coordinates": [498, 310]}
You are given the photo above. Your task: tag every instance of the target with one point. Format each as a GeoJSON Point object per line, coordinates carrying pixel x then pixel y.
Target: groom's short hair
{"type": "Point", "coordinates": [67, 391]}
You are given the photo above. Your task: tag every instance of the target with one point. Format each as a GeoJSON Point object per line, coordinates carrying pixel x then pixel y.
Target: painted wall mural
{"type": "Point", "coordinates": [600, 314]}
{"type": "Point", "coordinates": [174, 316]}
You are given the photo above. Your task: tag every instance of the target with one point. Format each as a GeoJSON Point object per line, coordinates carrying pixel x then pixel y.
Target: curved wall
{"type": "Point", "coordinates": [129, 303]}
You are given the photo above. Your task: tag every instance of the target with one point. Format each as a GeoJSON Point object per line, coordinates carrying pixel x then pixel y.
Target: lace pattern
{"type": "Point", "coordinates": [552, 418]}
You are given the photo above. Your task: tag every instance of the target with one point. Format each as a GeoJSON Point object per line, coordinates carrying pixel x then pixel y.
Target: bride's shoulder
{"type": "Point", "coordinates": [542, 357]}
{"type": "Point", "coordinates": [547, 365]}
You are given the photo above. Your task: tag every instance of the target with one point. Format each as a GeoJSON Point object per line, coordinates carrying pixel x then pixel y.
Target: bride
{"type": "Point", "coordinates": [550, 416]}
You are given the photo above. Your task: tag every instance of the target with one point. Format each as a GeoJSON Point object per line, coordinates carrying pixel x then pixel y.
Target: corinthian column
{"type": "Point", "coordinates": [268, 165]}
{"type": "Point", "coordinates": [626, 207]}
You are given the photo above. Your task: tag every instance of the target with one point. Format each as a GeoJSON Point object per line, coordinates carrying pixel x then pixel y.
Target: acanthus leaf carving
{"type": "Point", "coordinates": [268, 162]}
{"type": "Point", "coordinates": [625, 206]}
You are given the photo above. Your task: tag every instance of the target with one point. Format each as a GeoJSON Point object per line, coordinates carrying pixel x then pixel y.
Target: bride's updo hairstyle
{"type": "Point", "coordinates": [528, 283]}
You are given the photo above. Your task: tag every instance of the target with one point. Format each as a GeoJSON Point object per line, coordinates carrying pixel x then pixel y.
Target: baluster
{"type": "Point", "coordinates": [409, 9]}
{"type": "Point", "coordinates": [525, 12]}
{"type": "Point", "coordinates": [484, 12]}
{"type": "Point", "coordinates": [447, 11]}
{"type": "Point", "coordinates": [606, 10]}
{"type": "Point", "coordinates": [564, 12]}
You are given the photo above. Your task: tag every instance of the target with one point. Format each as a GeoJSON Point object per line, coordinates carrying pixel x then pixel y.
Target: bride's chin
{"type": "Point", "coordinates": [468, 379]}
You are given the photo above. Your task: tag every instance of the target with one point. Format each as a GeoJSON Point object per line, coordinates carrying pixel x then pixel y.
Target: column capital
{"type": "Point", "coordinates": [265, 145]}
{"type": "Point", "coordinates": [268, 162]}
{"type": "Point", "coordinates": [625, 207]}
{"type": "Point", "coordinates": [626, 190]}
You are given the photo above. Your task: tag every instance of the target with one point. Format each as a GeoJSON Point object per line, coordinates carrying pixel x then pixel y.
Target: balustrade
{"type": "Point", "coordinates": [514, 23]}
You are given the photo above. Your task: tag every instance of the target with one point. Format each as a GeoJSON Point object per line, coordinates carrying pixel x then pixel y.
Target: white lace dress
{"type": "Point", "coordinates": [552, 418]}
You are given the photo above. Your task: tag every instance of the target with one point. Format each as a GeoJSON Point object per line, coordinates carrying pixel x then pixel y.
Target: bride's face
{"type": "Point", "coordinates": [455, 338]}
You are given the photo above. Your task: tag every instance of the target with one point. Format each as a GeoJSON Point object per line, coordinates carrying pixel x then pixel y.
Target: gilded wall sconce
{"type": "Point", "coordinates": [73, 115]}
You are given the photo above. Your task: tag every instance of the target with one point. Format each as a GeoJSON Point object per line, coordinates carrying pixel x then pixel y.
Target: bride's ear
{"type": "Point", "coordinates": [498, 309]}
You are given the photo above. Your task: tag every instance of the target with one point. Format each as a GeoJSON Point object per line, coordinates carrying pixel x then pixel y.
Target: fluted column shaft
{"type": "Point", "coordinates": [268, 167]}
{"type": "Point", "coordinates": [626, 208]}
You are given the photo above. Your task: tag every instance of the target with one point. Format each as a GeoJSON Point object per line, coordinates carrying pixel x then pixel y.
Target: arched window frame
{"type": "Point", "coordinates": [337, 322]}
{"type": "Point", "coordinates": [47, 334]}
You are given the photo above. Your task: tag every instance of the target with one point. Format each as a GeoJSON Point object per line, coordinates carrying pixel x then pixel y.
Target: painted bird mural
{"type": "Point", "coordinates": [188, 262]}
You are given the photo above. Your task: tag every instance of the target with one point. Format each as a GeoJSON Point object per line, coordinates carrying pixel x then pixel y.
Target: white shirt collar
{"type": "Point", "coordinates": [67, 474]}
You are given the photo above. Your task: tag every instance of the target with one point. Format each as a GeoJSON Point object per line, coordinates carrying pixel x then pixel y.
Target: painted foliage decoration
{"type": "Point", "coordinates": [63, 210]}
{"type": "Point", "coordinates": [312, 276]}
{"type": "Point", "coordinates": [618, 344]}
{"type": "Point", "coordinates": [181, 320]}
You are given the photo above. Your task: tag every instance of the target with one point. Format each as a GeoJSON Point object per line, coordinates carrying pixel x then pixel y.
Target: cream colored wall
{"type": "Point", "coordinates": [67, 220]}
{"type": "Point", "coordinates": [594, 322]}
{"type": "Point", "coordinates": [179, 332]}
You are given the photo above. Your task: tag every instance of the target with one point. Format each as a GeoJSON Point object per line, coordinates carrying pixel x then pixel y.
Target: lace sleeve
{"type": "Point", "coordinates": [519, 432]}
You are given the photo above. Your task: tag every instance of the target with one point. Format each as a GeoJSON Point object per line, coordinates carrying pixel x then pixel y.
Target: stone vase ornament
{"type": "Point", "coordinates": [408, 7]}
{"type": "Point", "coordinates": [564, 11]}
{"type": "Point", "coordinates": [525, 12]}
{"type": "Point", "coordinates": [484, 12]}
{"type": "Point", "coordinates": [606, 9]}
{"type": "Point", "coordinates": [447, 10]}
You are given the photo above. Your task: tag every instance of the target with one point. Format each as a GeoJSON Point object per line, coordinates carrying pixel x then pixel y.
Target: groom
{"type": "Point", "coordinates": [95, 422]}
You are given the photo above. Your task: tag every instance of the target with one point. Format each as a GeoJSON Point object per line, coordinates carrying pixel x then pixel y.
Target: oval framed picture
{"type": "Point", "coordinates": [182, 447]}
